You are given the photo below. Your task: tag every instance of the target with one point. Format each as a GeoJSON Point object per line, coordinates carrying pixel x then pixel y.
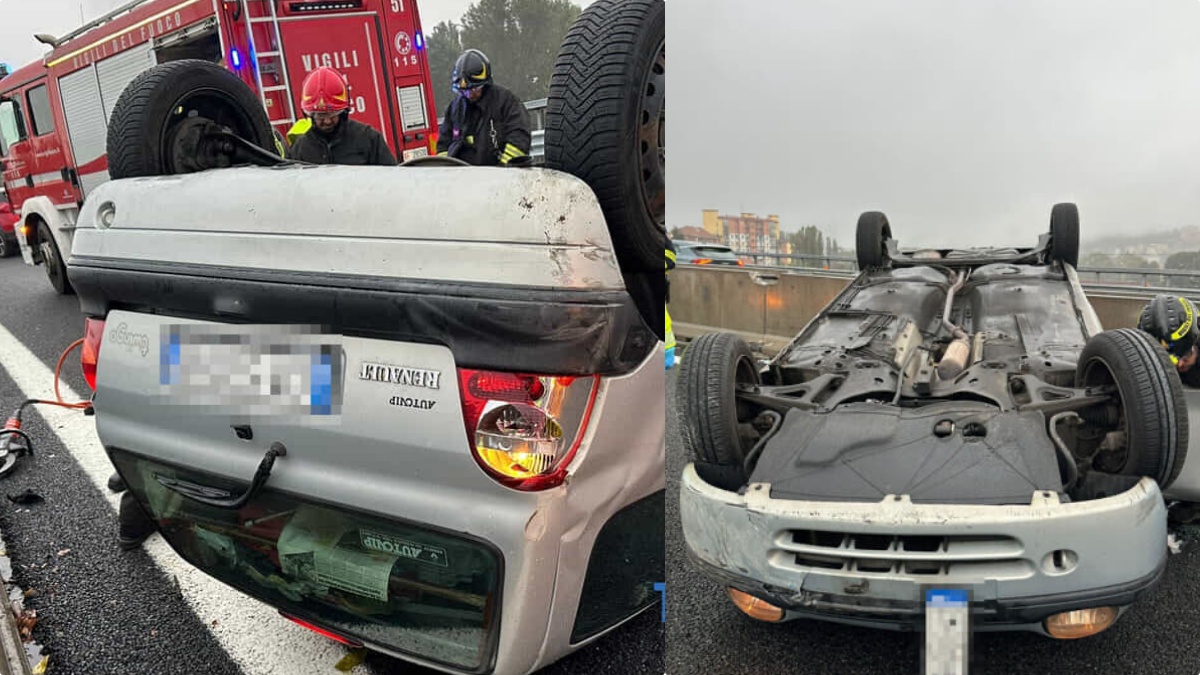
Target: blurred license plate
{"type": "Point", "coordinates": [947, 631]}
{"type": "Point", "coordinates": [252, 370]}
{"type": "Point", "coordinates": [415, 153]}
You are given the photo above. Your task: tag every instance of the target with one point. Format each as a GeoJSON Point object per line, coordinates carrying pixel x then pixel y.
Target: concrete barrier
{"type": "Point", "coordinates": [709, 299]}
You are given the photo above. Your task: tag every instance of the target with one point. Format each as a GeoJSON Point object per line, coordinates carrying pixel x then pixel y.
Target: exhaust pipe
{"type": "Point", "coordinates": [954, 360]}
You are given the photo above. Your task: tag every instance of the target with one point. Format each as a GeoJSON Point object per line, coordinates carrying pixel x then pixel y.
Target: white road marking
{"type": "Point", "coordinates": [260, 640]}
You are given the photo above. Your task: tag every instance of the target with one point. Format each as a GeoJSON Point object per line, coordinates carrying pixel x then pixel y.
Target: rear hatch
{"type": "Point", "coordinates": [361, 320]}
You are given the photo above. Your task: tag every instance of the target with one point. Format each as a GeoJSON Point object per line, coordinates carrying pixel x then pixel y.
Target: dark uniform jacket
{"type": "Point", "coordinates": [1192, 377]}
{"type": "Point", "coordinates": [491, 131]}
{"type": "Point", "coordinates": [351, 143]}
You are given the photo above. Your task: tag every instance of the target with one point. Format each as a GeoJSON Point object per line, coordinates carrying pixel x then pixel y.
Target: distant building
{"type": "Point", "coordinates": [698, 234]}
{"type": "Point", "coordinates": [746, 232]}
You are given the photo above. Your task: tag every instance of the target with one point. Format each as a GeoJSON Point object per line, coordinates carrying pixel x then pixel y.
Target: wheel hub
{"type": "Point", "coordinates": [652, 146]}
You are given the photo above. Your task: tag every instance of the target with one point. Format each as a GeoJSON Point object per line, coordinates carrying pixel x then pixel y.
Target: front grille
{"type": "Point", "coordinates": [918, 555]}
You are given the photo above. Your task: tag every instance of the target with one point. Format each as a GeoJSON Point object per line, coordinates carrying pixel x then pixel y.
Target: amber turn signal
{"type": "Point", "coordinates": [755, 608]}
{"type": "Point", "coordinates": [1081, 623]}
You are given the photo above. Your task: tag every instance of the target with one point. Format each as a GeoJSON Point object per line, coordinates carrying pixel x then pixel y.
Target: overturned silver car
{"type": "Point", "coordinates": [954, 419]}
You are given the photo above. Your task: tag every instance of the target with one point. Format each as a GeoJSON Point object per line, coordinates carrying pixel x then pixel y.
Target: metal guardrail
{"type": "Point", "coordinates": [1127, 277]}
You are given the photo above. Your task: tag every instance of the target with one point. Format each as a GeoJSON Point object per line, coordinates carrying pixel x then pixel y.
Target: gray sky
{"type": "Point", "coordinates": [964, 121]}
{"type": "Point", "coordinates": [20, 19]}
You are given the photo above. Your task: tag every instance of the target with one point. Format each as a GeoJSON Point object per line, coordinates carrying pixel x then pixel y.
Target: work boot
{"type": "Point", "coordinates": [135, 525]}
{"type": "Point", "coordinates": [115, 483]}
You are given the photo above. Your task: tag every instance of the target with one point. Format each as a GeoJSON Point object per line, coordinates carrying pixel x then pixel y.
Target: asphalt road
{"type": "Point", "coordinates": [101, 610]}
{"type": "Point", "coordinates": [707, 635]}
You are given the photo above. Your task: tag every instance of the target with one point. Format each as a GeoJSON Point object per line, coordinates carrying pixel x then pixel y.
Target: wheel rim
{"type": "Point", "coordinates": [652, 146]}
{"type": "Point", "coordinates": [744, 412]}
{"type": "Point", "coordinates": [50, 260]}
{"type": "Point", "coordinates": [1098, 373]}
{"type": "Point", "coordinates": [201, 105]}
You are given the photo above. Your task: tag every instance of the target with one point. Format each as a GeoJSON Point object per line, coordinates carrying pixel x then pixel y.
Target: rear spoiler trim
{"type": "Point", "coordinates": [535, 330]}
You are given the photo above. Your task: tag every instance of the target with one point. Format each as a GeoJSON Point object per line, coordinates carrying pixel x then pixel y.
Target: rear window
{"type": "Point", "coordinates": [714, 252]}
{"type": "Point", "coordinates": [427, 593]}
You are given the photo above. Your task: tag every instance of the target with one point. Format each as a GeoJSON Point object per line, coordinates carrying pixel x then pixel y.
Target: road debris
{"type": "Point", "coordinates": [351, 660]}
{"type": "Point", "coordinates": [26, 497]}
{"type": "Point", "coordinates": [1174, 543]}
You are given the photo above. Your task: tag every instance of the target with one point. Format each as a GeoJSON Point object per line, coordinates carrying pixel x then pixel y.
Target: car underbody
{"type": "Point", "coordinates": [952, 419]}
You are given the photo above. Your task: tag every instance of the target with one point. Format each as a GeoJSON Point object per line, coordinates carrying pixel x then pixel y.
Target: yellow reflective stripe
{"type": "Point", "coordinates": [1187, 324]}
{"type": "Point", "coordinates": [298, 129]}
{"type": "Point", "coordinates": [512, 151]}
{"type": "Point", "coordinates": [443, 154]}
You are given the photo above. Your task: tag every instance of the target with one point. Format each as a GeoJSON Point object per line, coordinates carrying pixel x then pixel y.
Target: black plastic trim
{"type": "Point", "coordinates": [910, 616]}
{"type": "Point", "coordinates": [538, 330]}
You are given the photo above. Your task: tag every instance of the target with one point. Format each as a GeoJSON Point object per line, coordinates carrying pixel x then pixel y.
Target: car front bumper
{"type": "Point", "coordinates": [870, 563]}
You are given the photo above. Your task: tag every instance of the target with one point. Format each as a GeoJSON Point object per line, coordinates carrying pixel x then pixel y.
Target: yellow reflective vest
{"type": "Point", "coordinates": [670, 334]}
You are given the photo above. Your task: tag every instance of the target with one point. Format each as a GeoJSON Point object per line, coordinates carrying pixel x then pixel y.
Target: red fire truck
{"type": "Point", "coordinates": [54, 113]}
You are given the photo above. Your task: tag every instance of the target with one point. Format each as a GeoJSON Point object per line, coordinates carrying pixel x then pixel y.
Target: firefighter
{"type": "Point", "coordinates": [485, 124]}
{"type": "Point", "coordinates": [1172, 320]}
{"type": "Point", "coordinates": [670, 334]}
{"type": "Point", "coordinates": [330, 136]}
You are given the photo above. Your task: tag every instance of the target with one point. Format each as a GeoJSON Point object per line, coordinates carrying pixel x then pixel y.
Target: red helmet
{"type": "Point", "coordinates": [324, 90]}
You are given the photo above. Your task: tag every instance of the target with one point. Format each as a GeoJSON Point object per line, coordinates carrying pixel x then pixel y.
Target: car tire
{"type": "Point", "coordinates": [605, 121]}
{"type": "Point", "coordinates": [1153, 410]}
{"type": "Point", "coordinates": [870, 242]}
{"type": "Point", "coordinates": [56, 268]}
{"type": "Point", "coordinates": [8, 246]}
{"type": "Point", "coordinates": [710, 417]}
{"type": "Point", "coordinates": [1064, 234]}
{"type": "Point", "coordinates": [150, 114]}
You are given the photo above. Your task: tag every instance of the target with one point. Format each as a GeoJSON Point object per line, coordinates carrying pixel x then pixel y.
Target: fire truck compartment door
{"type": "Point", "coordinates": [349, 44]}
{"type": "Point", "coordinates": [88, 97]}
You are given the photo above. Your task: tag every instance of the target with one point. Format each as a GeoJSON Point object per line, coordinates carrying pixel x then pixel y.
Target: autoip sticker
{"type": "Point", "coordinates": [386, 543]}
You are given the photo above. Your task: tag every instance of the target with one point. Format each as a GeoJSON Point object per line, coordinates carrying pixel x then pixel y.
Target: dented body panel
{"type": "Point", "coordinates": [808, 556]}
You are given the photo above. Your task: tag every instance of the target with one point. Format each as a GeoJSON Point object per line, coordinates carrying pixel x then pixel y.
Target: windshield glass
{"type": "Point", "coordinates": [10, 125]}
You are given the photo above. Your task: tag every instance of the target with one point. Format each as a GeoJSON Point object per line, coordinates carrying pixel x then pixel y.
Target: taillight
{"type": "Point", "coordinates": [321, 631]}
{"type": "Point", "coordinates": [741, 262]}
{"type": "Point", "coordinates": [525, 429]}
{"type": "Point", "coordinates": [433, 139]}
{"type": "Point", "coordinates": [90, 354]}
{"type": "Point", "coordinates": [701, 261]}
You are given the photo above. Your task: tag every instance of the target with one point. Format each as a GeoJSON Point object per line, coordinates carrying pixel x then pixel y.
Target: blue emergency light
{"type": "Point", "coordinates": [419, 41]}
{"type": "Point", "coordinates": [235, 58]}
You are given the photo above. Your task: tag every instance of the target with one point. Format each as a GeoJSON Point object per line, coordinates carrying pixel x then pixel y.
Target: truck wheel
{"type": "Point", "coordinates": [8, 246]}
{"type": "Point", "coordinates": [870, 242]}
{"type": "Point", "coordinates": [1064, 234]}
{"type": "Point", "coordinates": [606, 121]}
{"type": "Point", "coordinates": [1153, 413]}
{"type": "Point", "coordinates": [56, 269]}
{"type": "Point", "coordinates": [713, 422]}
{"type": "Point", "coordinates": [156, 119]}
